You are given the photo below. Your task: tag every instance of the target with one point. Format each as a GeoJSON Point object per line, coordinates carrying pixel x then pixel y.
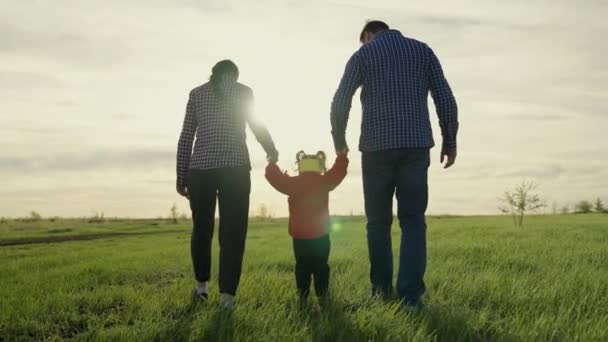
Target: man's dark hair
{"type": "Point", "coordinates": [373, 27]}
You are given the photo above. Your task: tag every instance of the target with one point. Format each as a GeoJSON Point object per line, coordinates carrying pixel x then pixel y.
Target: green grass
{"type": "Point", "coordinates": [486, 280]}
{"type": "Point", "coordinates": [18, 230]}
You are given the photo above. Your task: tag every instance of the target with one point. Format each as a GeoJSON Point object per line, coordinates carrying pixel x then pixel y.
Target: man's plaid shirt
{"type": "Point", "coordinates": [219, 124]}
{"type": "Point", "coordinates": [396, 74]}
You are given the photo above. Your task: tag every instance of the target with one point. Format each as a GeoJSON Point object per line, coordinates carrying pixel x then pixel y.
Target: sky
{"type": "Point", "coordinates": [93, 95]}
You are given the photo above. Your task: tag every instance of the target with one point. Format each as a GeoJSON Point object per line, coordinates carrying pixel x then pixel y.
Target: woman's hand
{"type": "Point", "coordinates": [183, 190]}
{"type": "Point", "coordinates": [273, 157]}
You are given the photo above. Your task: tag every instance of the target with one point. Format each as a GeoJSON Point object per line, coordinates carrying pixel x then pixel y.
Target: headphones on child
{"type": "Point", "coordinates": [311, 162]}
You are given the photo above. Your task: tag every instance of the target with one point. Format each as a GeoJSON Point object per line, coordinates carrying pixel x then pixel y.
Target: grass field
{"type": "Point", "coordinates": [132, 281]}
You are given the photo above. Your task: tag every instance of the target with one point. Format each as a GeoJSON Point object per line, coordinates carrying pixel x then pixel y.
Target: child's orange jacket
{"type": "Point", "coordinates": [308, 197]}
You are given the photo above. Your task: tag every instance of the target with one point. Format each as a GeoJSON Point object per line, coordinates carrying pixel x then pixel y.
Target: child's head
{"type": "Point", "coordinates": [311, 162]}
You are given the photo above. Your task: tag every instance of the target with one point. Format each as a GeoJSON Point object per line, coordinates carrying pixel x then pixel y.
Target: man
{"type": "Point", "coordinates": [396, 74]}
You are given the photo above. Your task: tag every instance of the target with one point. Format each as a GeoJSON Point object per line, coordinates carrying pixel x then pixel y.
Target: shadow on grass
{"type": "Point", "coordinates": [440, 323]}
{"type": "Point", "coordinates": [333, 322]}
{"type": "Point", "coordinates": [330, 323]}
{"type": "Point", "coordinates": [451, 324]}
{"type": "Point", "coordinates": [220, 326]}
{"type": "Point", "coordinates": [179, 330]}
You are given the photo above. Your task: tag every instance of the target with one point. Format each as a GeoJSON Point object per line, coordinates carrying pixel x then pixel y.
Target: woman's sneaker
{"type": "Point", "coordinates": [200, 295]}
{"type": "Point", "coordinates": [201, 292]}
{"type": "Point", "coordinates": [226, 301]}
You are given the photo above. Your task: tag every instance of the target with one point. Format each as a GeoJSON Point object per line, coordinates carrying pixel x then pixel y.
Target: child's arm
{"type": "Point", "coordinates": [337, 173]}
{"type": "Point", "coordinates": [279, 180]}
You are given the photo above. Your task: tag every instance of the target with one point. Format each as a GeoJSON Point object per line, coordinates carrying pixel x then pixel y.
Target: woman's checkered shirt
{"type": "Point", "coordinates": [219, 125]}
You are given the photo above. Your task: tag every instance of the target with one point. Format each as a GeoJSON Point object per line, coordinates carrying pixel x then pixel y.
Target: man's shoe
{"type": "Point", "coordinates": [412, 307]}
{"type": "Point", "coordinates": [384, 294]}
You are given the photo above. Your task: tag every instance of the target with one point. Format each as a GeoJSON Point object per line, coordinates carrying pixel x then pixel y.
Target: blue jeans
{"type": "Point", "coordinates": [404, 172]}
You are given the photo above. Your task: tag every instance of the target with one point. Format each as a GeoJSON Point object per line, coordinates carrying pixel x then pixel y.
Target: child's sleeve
{"type": "Point", "coordinates": [279, 180]}
{"type": "Point", "coordinates": [336, 174]}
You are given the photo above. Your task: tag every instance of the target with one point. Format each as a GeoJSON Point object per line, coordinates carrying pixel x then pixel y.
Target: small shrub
{"type": "Point", "coordinates": [34, 217]}
{"type": "Point", "coordinates": [554, 208]}
{"type": "Point", "coordinates": [174, 216]}
{"type": "Point", "coordinates": [583, 207]}
{"type": "Point", "coordinates": [521, 201]}
{"type": "Point", "coordinates": [264, 213]}
{"type": "Point", "coordinates": [599, 206]}
{"type": "Point", "coordinates": [98, 217]}
{"type": "Point", "coordinates": [565, 209]}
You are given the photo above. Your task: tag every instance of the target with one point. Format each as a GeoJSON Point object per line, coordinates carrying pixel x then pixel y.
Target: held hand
{"type": "Point", "coordinates": [273, 157]}
{"type": "Point", "coordinates": [343, 150]}
{"type": "Point", "coordinates": [448, 154]}
{"type": "Point", "coordinates": [183, 190]}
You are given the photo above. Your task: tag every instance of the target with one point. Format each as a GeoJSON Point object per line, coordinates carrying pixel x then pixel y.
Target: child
{"type": "Point", "coordinates": [309, 216]}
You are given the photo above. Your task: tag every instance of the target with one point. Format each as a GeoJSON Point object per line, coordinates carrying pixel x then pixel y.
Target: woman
{"type": "Point", "coordinates": [218, 168]}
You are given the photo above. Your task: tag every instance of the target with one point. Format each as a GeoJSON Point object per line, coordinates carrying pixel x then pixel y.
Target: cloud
{"type": "Point", "coordinates": [217, 6]}
{"type": "Point", "coordinates": [536, 117]}
{"type": "Point", "coordinates": [121, 116]}
{"type": "Point", "coordinates": [464, 22]}
{"type": "Point", "coordinates": [595, 153]}
{"type": "Point", "coordinates": [542, 172]}
{"type": "Point", "coordinates": [91, 160]}
{"type": "Point", "coordinates": [62, 44]}
{"type": "Point", "coordinates": [11, 79]}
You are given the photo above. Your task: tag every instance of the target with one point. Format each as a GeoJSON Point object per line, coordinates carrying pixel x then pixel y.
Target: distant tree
{"type": "Point", "coordinates": [521, 201]}
{"type": "Point", "coordinates": [554, 208]}
{"type": "Point", "coordinates": [34, 216]}
{"type": "Point", "coordinates": [264, 212]}
{"type": "Point", "coordinates": [599, 206]}
{"type": "Point", "coordinates": [583, 207]}
{"type": "Point", "coordinates": [174, 214]}
{"type": "Point", "coordinates": [565, 209]}
{"type": "Point", "coordinates": [97, 217]}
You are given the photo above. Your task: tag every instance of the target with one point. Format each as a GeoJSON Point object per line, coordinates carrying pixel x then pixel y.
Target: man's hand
{"type": "Point", "coordinates": [448, 154]}
{"type": "Point", "coordinates": [183, 190]}
{"type": "Point", "coordinates": [273, 157]}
